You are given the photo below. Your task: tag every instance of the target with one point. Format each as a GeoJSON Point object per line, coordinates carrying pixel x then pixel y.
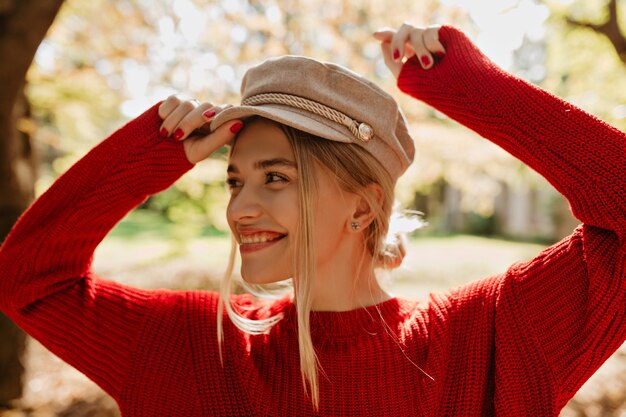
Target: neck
{"type": "Point", "coordinates": [348, 284]}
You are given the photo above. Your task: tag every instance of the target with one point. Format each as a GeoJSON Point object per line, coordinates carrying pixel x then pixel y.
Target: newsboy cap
{"type": "Point", "coordinates": [329, 101]}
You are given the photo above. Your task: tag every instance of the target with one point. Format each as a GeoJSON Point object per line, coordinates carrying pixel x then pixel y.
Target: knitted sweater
{"type": "Point", "coordinates": [519, 343]}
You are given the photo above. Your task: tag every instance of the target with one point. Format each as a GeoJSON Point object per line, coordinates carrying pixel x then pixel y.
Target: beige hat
{"type": "Point", "coordinates": [329, 101]}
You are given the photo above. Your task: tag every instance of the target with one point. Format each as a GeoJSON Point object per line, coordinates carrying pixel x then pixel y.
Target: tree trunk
{"type": "Point", "coordinates": [23, 25]}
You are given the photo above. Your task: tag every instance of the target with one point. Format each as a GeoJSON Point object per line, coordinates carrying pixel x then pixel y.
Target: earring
{"type": "Point", "coordinates": [355, 226]}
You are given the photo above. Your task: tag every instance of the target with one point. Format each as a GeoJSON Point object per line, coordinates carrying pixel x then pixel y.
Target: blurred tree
{"type": "Point", "coordinates": [137, 52]}
{"type": "Point", "coordinates": [23, 24]}
{"type": "Point", "coordinates": [585, 62]}
{"type": "Point", "coordinates": [609, 28]}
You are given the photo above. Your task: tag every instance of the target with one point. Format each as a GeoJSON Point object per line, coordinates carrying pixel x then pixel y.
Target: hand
{"type": "Point", "coordinates": [189, 120]}
{"type": "Point", "coordinates": [409, 41]}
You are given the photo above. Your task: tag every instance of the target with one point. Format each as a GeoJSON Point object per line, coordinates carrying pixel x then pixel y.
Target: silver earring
{"type": "Point", "coordinates": [355, 226]}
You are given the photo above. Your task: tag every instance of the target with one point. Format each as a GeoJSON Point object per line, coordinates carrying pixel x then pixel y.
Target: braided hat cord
{"type": "Point", "coordinates": [361, 131]}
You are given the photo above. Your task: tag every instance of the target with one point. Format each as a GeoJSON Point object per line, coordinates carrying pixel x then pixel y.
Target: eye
{"type": "Point", "coordinates": [232, 183]}
{"type": "Point", "coordinates": [274, 177]}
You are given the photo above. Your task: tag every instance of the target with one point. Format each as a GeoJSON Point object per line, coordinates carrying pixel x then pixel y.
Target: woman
{"type": "Point", "coordinates": [317, 210]}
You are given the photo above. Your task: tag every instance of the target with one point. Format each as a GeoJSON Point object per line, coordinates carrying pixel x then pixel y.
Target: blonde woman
{"type": "Point", "coordinates": [315, 151]}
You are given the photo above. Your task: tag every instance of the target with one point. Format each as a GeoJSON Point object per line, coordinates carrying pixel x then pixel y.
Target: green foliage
{"type": "Point", "coordinates": [583, 66]}
{"type": "Point", "coordinates": [104, 62]}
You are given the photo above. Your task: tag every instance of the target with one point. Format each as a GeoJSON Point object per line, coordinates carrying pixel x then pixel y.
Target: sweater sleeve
{"type": "Point", "coordinates": [46, 282]}
{"type": "Point", "coordinates": [563, 310]}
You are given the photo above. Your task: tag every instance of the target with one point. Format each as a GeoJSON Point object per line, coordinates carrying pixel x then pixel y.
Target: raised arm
{"type": "Point", "coordinates": [556, 318]}
{"type": "Point", "coordinates": [46, 282]}
{"type": "Point", "coordinates": [582, 156]}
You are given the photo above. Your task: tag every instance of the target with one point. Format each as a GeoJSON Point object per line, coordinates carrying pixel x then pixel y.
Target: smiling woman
{"type": "Point", "coordinates": [264, 205]}
{"type": "Point", "coordinates": [263, 181]}
{"type": "Point", "coordinates": [315, 152]}
{"type": "Point", "coordinates": [307, 224]}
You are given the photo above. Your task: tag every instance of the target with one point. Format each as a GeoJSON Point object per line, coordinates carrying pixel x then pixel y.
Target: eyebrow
{"type": "Point", "coordinates": [266, 163]}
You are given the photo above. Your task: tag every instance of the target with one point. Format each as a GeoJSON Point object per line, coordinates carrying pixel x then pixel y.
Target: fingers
{"type": "Point", "coordinates": [384, 35]}
{"type": "Point", "coordinates": [399, 41]}
{"type": "Point", "coordinates": [394, 66]}
{"type": "Point", "coordinates": [182, 117]}
{"type": "Point", "coordinates": [407, 42]}
{"type": "Point", "coordinates": [199, 148]}
{"type": "Point", "coordinates": [423, 54]}
{"type": "Point", "coordinates": [430, 38]}
{"type": "Point", "coordinates": [189, 121]}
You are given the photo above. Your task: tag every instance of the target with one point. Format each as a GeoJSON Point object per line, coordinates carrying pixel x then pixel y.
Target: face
{"type": "Point", "coordinates": [263, 208]}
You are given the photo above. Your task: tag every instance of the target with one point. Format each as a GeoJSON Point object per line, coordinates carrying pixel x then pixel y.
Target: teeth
{"type": "Point", "coordinates": [259, 238]}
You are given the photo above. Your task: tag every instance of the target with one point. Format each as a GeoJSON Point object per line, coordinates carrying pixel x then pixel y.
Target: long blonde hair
{"type": "Point", "coordinates": [354, 169]}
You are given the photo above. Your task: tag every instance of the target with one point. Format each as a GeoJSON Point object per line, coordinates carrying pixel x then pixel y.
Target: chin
{"type": "Point", "coordinates": [261, 277]}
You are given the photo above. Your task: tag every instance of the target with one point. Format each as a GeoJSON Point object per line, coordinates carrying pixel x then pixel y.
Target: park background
{"type": "Point", "coordinates": [74, 71]}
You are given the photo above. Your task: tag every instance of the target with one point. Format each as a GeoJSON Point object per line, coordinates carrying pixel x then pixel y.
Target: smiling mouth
{"type": "Point", "coordinates": [260, 238]}
{"type": "Point", "coordinates": [260, 245]}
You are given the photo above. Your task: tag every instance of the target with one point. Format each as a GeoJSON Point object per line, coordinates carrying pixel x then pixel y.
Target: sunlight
{"type": "Point", "coordinates": [46, 57]}
{"type": "Point", "coordinates": [195, 43]}
{"type": "Point", "coordinates": [503, 25]}
{"type": "Point", "coordinates": [193, 20]}
{"type": "Point", "coordinates": [183, 44]}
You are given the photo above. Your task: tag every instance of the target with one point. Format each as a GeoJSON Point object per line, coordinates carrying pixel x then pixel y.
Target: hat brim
{"type": "Point", "coordinates": [290, 116]}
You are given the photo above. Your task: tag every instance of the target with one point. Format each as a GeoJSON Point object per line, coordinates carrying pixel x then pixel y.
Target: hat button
{"type": "Point", "coordinates": [365, 132]}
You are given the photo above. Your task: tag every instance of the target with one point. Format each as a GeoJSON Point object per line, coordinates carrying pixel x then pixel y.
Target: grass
{"type": "Point", "coordinates": [439, 263]}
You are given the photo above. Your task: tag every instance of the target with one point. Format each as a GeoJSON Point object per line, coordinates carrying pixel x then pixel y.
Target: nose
{"type": "Point", "coordinates": [244, 205]}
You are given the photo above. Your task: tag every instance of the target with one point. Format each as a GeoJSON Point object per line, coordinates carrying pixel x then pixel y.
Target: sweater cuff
{"type": "Point", "coordinates": [151, 163]}
{"type": "Point", "coordinates": [457, 73]}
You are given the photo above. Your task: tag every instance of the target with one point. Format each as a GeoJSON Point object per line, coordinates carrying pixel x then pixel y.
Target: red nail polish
{"type": "Point", "coordinates": [439, 55]}
{"type": "Point", "coordinates": [208, 114]}
{"type": "Point", "coordinates": [425, 60]}
{"type": "Point", "coordinates": [396, 54]}
{"type": "Point", "coordinates": [236, 127]}
{"type": "Point", "coordinates": [178, 134]}
{"type": "Point", "coordinates": [164, 133]}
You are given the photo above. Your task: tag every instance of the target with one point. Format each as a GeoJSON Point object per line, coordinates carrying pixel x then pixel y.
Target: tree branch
{"type": "Point", "coordinates": [610, 29]}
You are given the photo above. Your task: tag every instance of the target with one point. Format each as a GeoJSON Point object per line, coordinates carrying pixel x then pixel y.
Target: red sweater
{"type": "Point", "coordinates": [520, 343]}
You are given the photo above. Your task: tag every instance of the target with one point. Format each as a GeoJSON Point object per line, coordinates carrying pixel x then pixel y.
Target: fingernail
{"type": "Point", "coordinates": [425, 60]}
{"type": "Point", "coordinates": [236, 127]}
{"type": "Point", "coordinates": [396, 54]}
{"type": "Point", "coordinates": [178, 134]}
{"type": "Point", "coordinates": [164, 133]}
{"type": "Point", "coordinates": [439, 54]}
{"type": "Point", "coordinates": [208, 114]}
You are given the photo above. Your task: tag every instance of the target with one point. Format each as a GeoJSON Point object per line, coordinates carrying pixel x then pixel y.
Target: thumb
{"type": "Point", "coordinates": [202, 147]}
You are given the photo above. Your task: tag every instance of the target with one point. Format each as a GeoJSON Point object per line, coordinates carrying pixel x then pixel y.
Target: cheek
{"type": "Point", "coordinates": [285, 204]}
{"type": "Point", "coordinates": [329, 227]}
{"type": "Point", "coordinates": [279, 210]}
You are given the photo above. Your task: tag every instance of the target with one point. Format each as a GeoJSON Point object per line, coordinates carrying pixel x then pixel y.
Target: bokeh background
{"type": "Point", "coordinates": [71, 72]}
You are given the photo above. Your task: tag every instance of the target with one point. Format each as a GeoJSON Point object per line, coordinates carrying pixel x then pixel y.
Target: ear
{"type": "Point", "coordinates": [367, 208]}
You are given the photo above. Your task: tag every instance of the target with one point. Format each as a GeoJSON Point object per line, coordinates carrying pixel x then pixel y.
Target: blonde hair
{"type": "Point", "coordinates": [354, 169]}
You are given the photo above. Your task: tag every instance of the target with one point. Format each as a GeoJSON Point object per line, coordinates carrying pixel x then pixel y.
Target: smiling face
{"type": "Point", "coordinates": [263, 211]}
